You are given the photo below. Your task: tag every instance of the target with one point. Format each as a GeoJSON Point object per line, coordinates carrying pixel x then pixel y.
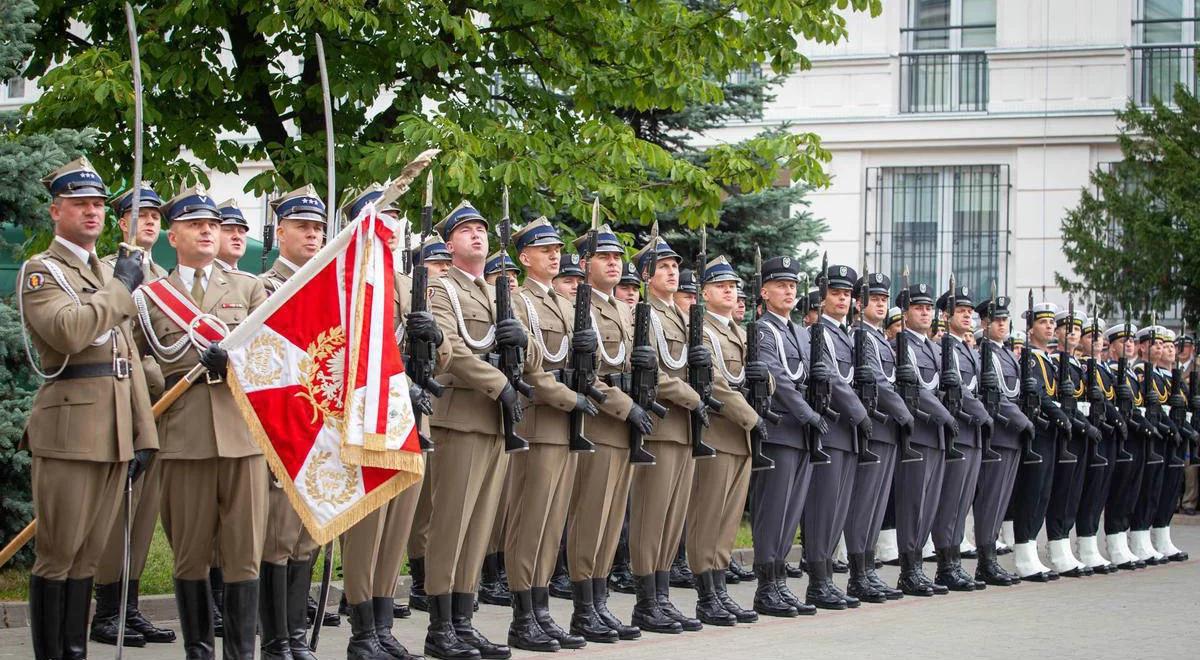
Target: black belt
{"type": "Point", "coordinates": [173, 379]}
{"type": "Point", "coordinates": [118, 369]}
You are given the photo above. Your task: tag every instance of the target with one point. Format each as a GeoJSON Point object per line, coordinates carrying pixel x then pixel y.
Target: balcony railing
{"type": "Point", "coordinates": [944, 81]}
{"type": "Point", "coordinates": [1158, 68]}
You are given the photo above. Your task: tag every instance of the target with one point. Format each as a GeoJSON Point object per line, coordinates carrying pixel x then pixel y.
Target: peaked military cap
{"type": "Point", "coordinates": [687, 281]}
{"type": "Point", "coordinates": [840, 277]}
{"type": "Point", "coordinates": [741, 291]}
{"type": "Point", "coordinates": [1043, 310]}
{"type": "Point", "coordinates": [1018, 338]}
{"type": "Point", "coordinates": [660, 250]}
{"type": "Point", "coordinates": [434, 249]}
{"type": "Point", "coordinates": [371, 195]}
{"type": "Point", "coordinates": [1095, 323]}
{"type": "Point", "coordinates": [191, 204]}
{"type": "Point", "coordinates": [148, 199]}
{"type": "Point", "coordinates": [301, 204]}
{"type": "Point", "coordinates": [916, 294]}
{"type": "Point", "coordinates": [494, 264]}
{"type": "Point", "coordinates": [569, 265]}
{"type": "Point", "coordinates": [877, 283]}
{"type": "Point", "coordinates": [537, 233]}
{"type": "Point", "coordinates": [780, 268]}
{"type": "Point", "coordinates": [606, 240]}
{"type": "Point", "coordinates": [962, 298]}
{"type": "Point", "coordinates": [814, 299]}
{"type": "Point", "coordinates": [231, 214]}
{"type": "Point", "coordinates": [629, 274]}
{"type": "Point", "coordinates": [1117, 331]}
{"type": "Point", "coordinates": [719, 270]}
{"type": "Point", "coordinates": [1061, 319]}
{"type": "Point", "coordinates": [1000, 310]}
{"type": "Point", "coordinates": [75, 179]}
{"type": "Point", "coordinates": [462, 213]}
{"type": "Point", "coordinates": [892, 318]}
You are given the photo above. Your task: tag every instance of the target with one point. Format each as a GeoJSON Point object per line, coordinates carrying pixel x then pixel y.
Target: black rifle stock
{"type": "Point", "coordinates": [906, 385]}
{"type": "Point", "coordinates": [510, 359]}
{"type": "Point", "coordinates": [950, 385]}
{"type": "Point", "coordinates": [1065, 391]}
{"type": "Point", "coordinates": [864, 379]}
{"type": "Point", "coordinates": [700, 378]}
{"type": "Point", "coordinates": [1029, 399]}
{"type": "Point", "coordinates": [819, 391]}
{"type": "Point", "coordinates": [758, 391]}
{"type": "Point", "coordinates": [580, 374]}
{"type": "Point", "coordinates": [421, 354]}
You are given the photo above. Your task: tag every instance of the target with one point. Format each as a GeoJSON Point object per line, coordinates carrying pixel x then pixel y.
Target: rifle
{"type": "Point", "coordinates": [950, 382]}
{"type": "Point", "coordinates": [989, 395]}
{"type": "Point", "coordinates": [1124, 404]}
{"type": "Point", "coordinates": [421, 354]}
{"type": "Point", "coordinates": [1096, 404]}
{"type": "Point", "coordinates": [1028, 400]}
{"type": "Point", "coordinates": [580, 374]}
{"type": "Point", "coordinates": [700, 379]}
{"type": "Point", "coordinates": [1151, 426]}
{"type": "Point", "coordinates": [405, 253]}
{"type": "Point", "coordinates": [510, 359]}
{"type": "Point", "coordinates": [643, 382]}
{"type": "Point", "coordinates": [758, 392]}
{"type": "Point", "coordinates": [864, 378]}
{"type": "Point", "coordinates": [1065, 394]}
{"type": "Point", "coordinates": [1177, 414]}
{"type": "Point", "coordinates": [819, 391]}
{"type": "Point", "coordinates": [907, 387]}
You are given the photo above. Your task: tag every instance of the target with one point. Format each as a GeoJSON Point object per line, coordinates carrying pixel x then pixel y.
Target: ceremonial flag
{"type": "Point", "coordinates": [339, 452]}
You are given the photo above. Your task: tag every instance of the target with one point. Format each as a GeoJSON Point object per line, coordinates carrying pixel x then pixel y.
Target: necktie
{"type": "Point", "coordinates": [94, 263]}
{"type": "Point", "coordinates": [198, 286]}
{"type": "Point", "coordinates": [845, 329]}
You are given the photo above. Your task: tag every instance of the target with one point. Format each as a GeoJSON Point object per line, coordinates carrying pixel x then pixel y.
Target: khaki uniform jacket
{"type": "Point", "coordinates": [472, 385]}
{"type": "Point", "coordinates": [729, 430]}
{"type": "Point", "coordinates": [84, 419]}
{"type": "Point", "coordinates": [547, 421]}
{"type": "Point", "coordinates": [614, 327]}
{"type": "Point", "coordinates": [154, 377]}
{"type": "Point", "coordinates": [275, 276]}
{"type": "Point", "coordinates": [673, 391]}
{"type": "Point", "coordinates": [205, 421]}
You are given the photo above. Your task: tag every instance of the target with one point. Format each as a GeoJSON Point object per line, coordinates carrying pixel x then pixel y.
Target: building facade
{"type": "Point", "coordinates": [962, 130]}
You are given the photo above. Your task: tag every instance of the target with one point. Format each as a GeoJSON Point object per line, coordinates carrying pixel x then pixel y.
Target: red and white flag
{"type": "Point", "coordinates": [339, 452]}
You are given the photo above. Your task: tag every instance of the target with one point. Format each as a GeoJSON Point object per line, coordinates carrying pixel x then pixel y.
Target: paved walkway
{"type": "Point", "coordinates": [1143, 614]}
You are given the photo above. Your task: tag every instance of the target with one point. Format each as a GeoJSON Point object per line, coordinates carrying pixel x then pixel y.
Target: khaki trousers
{"type": "Point", "coordinates": [539, 492]}
{"type": "Point", "coordinates": [75, 503]}
{"type": "Point", "coordinates": [659, 496]}
{"type": "Point", "coordinates": [147, 500]}
{"type": "Point", "coordinates": [715, 510]}
{"type": "Point", "coordinates": [286, 538]}
{"type": "Point", "coordinates": [597, 511]}
{"type": "Point", "coordinates": [464, 491]}
{"type": "Point", "coordinates": [496, 540]}
{"type": "Point", "coordinates": [373, 548]}
{"type": "Point", "coordinates": [216, 504]}
{"type": "Point", "coordinates": [419, 534]}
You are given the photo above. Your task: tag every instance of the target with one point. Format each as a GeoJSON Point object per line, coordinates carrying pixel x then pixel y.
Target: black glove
{"type": "Point", "coordinates": [757, 371]}
{"type": "Point", "coordinates": [1079, 423]}
{"type": "Point", "coordinates": [639, 419]}
{"type": "Point", "coordinates": [950, 378]}
{"type": "Point", "coordinates": [421, 325]}
{"type": "Point", "coordinates": [511, 334]}
{"type": "Point", "coordinates": [952, 428]}
{"type": "Point", "coordinates": [1095, 393]}
{"type": "Point", "coordinates": [760, 427]}
{"type": "Point", "coordinates": [140, 463]}
{"type": "Point", "coordinates": [988, 381]}
{"type": "Point", "coordinates": [420, 399]}
{"type": "Point", "coordinates": [584, 341]}
{"type": "Point", "coordinates": [699, 357]}
{"type": "Point", "coordinates": [1176, 400]}
{"type": "Point", "coordinates": [128, 269]}
{"type": "Point", "coordinates": [215, 359]}
{"type": "Point", "coordinates": [1030, 385]}
{"type": "Point", "coordinates": [1124, 394]}
{"type": "Point", "coordinates": [702, 411]}
{"type": "Point", "coordinates": [865, 373]}
{"type": "Point", "coordinates": [1060, 419]}
{"type": "Point", "coordinates": [1093, 433]}
{"type": "Point", "coordinates": [512, 402]}
{"type": "Point", "coordinates": [907, 373]}
{"type": "Point", "coordinates": [1194, 404]}
{"type": "Point", "coordinates": [644, 358]}
{"type": "Point", "coordinates": [817, 424]}
{"type": "Point", "coordinates": [585, 405]}
{"type": "Point", "coordinates": [865, 429]}
{"type": "Point", "coordinates": [907, 424]}
{"type": "Point", "coordinates": [820, 371]}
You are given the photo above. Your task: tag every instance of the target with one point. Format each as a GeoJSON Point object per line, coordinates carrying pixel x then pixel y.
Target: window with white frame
{"type": "Point", "coordinates": [1164, 50]}
{"type": "Point", "coordinates": [944, 67]}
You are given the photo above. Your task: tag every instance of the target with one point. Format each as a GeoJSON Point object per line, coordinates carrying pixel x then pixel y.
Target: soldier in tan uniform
{"type": "Point", "coordinates": [540, 479]}
{"type": "Point", "coordinates": [373, 548]}
{"type": "Point", "coordinates": [234, 228]}
{"type": "Point", "coordinates": [146, 494]}
{"type": "Point", "coordinates": [91, 428]}
{"type": "Point", "coordinates": [437, 260]}
{"type": "Point", "coordinates": [659, 493]}
{"type": "Point", "coordinates": [214, 476]}
{"type": "Point", "coordinates": [601, 489]}
{"type": "Point", "coordinates": [285, 575]}
{"type": "Point", "coordinates": [469, 460]}
{"type": "Point", "coordinates": [722, 482]}
{"type": "Point", "coordinates": [628, 288]}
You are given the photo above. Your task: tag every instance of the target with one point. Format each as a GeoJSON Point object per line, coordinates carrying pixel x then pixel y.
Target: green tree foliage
{"type": "Point", "coordinates": [17, 387]}
{"type": "Point", "coordinates": [544, 95]}
{"type": "Point", "coordinates": [1132, 239]}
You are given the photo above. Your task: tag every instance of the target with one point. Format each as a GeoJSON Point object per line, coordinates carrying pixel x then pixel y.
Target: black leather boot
{"type": "Point", "coordinates": [383, 609]}
{"type": "Point", "coordinates": [560, 582]}
{"type": "Point", "coordinates": [541, 614]}
{"type": "Point", "coordinates": [104, 621]}
{"type": "Point", "coordinates": [585, 621]}
{"type": "Point", "coordinates": [947, 576]}
{"type": "Point", "coordinates": [795, 572]}
{"type": "Point", "coordinates": [491, 592]}
{"type": "Point", "coordinates": [859, 586]}
{"type": "Point", "coordinates": [781, 586]}
{"type": "Point", "coordinates": [662, 583]}
{"type": "Point", "coordinates": [620, 579]}
{"type": "Point", "coordinates": [851, 601]}
{"type": "Point", "coordinates": [820, 591]}
{"type": "Point", "coordinates": [364, 644]}
{"type": "Point", "coordinates": [78, 604]}
{"type": "Point", "coordinates": [400, 609]}
{"type": "Point", "coordinates": [328, 619]}
{"type": "Point", "coordinates": [416, 593]}
{"type": "Point", "coordinates": [502, 570]}
{"type": "Point", "coordinates": [524, 632]}
{"type": "Point", "coordinates": [600, 601]}
{"type": "Point", "coordinates": [739, 570]}
{"type": "Point", "coordinates": [740, 613]}
{"type": "Point", "coordinates": [877, 582]}
{"type": "Point", "coordinates": [462, 610]}
{"type": "Point", "coordinates": [195, 618]}
{"type": "Point", "coordinates": [962, 573]}
{"type": "Point", "coordinates": [138, 622]}
{"type": "Point", "coordinates": [46, 603]}
{"type": "Point", "coordinates": [216, 587]}
{"type": "Point", "coordinates": [910, 582]}
{"type": "Point", "coordinates": [767, 600]}
{"type": "Point", "coordinates": [987, 569]}
{"type": "Point", "coordinates": [299, 584]}
{"type": "Point", "coordinates": [440, 639]}
{"type": "Point", "coordinates": [272, 611]}
{"type": "Point", "coordinates": [241, 620]}
{"type": "Point", "coordinates": [708, 607]}
{"type": "Point", "coordinates": [647, 614]}
{"type": "Point", "coordinates": [681, 574]}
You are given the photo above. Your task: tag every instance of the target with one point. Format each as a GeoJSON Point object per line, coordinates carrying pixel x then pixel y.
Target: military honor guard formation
{"type": "Point", "coordinates": [588, 423]}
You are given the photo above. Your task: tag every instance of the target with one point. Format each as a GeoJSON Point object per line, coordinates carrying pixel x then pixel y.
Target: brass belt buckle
{"type": "Point", "coordinates": [121, 368]}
